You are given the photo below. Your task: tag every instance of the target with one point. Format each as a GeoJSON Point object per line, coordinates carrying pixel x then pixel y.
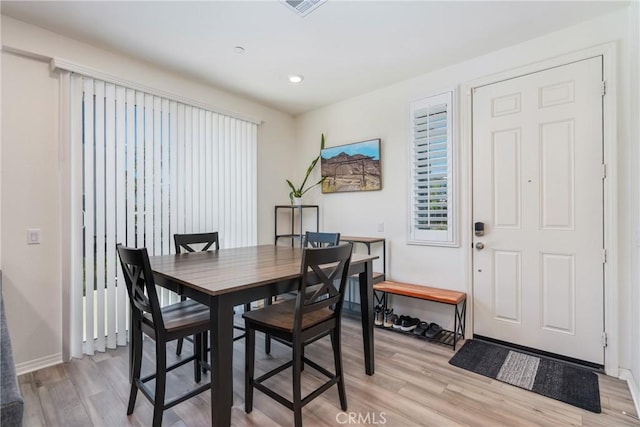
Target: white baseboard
{"type": "Point", "coordinates": [627, 375]}
{"type": "Point", "coordinates": [34, 365]}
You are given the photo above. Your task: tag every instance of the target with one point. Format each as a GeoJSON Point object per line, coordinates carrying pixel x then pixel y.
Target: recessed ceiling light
{"type": "Point", "coordinates": [296, 78]}
{"type": "Point", "coordinates": [239, 50]}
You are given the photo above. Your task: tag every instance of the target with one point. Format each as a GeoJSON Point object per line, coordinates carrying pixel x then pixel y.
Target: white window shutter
{"type": "Point", "coordinates": [431, 171]}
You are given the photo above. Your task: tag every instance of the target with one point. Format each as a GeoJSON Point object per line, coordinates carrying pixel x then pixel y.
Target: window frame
{"type": "Point", "coordinates": [448, 237]}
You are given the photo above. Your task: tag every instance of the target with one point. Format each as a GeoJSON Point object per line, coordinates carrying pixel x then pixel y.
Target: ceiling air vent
{"type": "Point", "coordinates": [302, 7]}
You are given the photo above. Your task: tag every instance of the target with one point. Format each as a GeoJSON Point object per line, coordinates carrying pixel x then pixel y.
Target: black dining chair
{"type": "Point", "coordinates": [208, 241]}
{"type": "Point", "coordinates": [301, 321]}
{"type": "Point", "coordinates": [161, 324]}
{"type": "Point", "coordinates": [320, 240]}
{"type": "Point", "coordinates": [186, 242]}
{"type": "Point", "coordinates": [311, 240]}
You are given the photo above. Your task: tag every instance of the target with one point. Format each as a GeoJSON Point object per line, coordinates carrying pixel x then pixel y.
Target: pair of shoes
{"type": "Point", "coordinates": [397, 322]}
{"type": "Point", "coordinates": [378, 315]}
{"type": "Point", "coordinates": [406, 323]}
{"type": "Point", "coordinates": [433, 330]}
{"type": "Point", "coordinates": [389, 318]}
{"type": "Point", "coordinates": [421, 328]}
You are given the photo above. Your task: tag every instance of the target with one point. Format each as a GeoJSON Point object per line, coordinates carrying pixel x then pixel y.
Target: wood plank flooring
{"type": "Point", "coordinates": [414, 385]}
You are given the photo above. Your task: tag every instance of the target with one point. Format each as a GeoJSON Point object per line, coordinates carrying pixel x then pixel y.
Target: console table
{"type": "Point", "coordinates": [377, 276]}
{"type": "Point", "coordinates": [368, 241]}
{"type": "Point", "coordinates": [293, 209]}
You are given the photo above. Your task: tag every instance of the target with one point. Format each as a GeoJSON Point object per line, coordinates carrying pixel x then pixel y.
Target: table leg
{"type": "Point", "coordinates": [221, 317]}
{"type": "Point", "coordinates": [366, 307]}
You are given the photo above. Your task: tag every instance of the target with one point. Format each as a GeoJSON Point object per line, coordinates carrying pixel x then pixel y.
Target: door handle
{"type": "Point", "coordinates": [479, 246]}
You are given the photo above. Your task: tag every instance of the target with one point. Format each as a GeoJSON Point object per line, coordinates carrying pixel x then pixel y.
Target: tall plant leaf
{"type": "Point", "coordinates": [299, 191]}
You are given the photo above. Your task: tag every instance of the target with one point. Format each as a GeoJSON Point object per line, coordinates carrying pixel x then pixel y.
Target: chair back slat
{"type": "Point", "coordinates": [184, 241]}
{"type": "Point", "coordinates": [139, 299]}
{"type": "Point", "coordinates": [325, 293]}
{"type": "Point", "coordinates": [141, 286]}
{"type": "Point", "coordinates": [321, 269]}
{"type": "Point", "coordinates": [321, 240]}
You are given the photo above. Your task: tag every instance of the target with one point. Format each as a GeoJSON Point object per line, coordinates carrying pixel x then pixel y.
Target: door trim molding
{"type": "Point", "coordinates": [608, 52]}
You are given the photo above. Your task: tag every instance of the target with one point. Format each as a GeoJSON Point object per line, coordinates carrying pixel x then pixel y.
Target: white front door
{"type": "Point", "coordinates": [538, 189]}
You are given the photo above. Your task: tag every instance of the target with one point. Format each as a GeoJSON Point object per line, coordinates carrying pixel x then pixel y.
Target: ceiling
{"type": "Point", "coordinates": [343, 48]}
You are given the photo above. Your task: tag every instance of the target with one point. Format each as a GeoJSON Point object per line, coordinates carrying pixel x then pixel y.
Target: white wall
{"type": "Point", "coordinates": [30, 173]}
{"type": "Point", "coordinates": [31, 273]}
{"type": "Point", "coordinates": [384, 114]}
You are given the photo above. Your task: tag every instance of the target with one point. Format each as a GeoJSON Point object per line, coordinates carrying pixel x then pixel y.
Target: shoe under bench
{"type": "Point", "coordinates": [455, 298]}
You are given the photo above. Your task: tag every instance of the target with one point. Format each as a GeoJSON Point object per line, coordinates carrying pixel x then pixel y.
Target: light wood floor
{"type": "Point", "coordinates": [414, 385]}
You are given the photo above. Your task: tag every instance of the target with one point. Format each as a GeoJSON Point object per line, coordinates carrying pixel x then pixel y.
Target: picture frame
{"type": "Point", "coordinates": [351, 167]}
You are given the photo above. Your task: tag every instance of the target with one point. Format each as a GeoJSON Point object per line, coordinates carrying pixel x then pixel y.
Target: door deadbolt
{"type": "Point", "coordinates": [479, 246]}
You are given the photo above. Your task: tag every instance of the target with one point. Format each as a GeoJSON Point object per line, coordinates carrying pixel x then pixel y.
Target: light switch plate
{"type": "Point", "coordinates": [33, 236]}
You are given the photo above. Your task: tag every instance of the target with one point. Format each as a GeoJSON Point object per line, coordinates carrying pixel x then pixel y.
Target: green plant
{"type": "Point", "coordinates": [297, 192]}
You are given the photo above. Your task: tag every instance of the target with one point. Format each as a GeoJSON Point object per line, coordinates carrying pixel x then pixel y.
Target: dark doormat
{"type": "Point", "coordinates": [552, 378]}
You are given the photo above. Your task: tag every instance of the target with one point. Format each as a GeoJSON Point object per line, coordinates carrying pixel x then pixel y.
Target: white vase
{"type": "Point", "coordinates": [297, 201]}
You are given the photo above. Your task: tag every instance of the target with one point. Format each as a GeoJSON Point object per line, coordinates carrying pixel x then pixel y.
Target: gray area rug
{"type": "Point", "coordinates": [551, 378]}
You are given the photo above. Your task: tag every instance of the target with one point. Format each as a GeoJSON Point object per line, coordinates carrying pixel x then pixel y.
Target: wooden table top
{"type": "Point", "coordinates": [229, 270]}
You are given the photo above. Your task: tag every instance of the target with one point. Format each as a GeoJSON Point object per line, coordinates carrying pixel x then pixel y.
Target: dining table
{"type": "Point", "coordinates": [227, 278]}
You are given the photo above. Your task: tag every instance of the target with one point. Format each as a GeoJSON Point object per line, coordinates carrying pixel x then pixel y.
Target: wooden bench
{"type": "Point", "coordinates": [444, 296]}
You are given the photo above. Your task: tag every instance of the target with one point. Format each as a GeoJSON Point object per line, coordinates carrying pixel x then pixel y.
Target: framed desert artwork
{"type": "Point", "coordinates": [351, 167]}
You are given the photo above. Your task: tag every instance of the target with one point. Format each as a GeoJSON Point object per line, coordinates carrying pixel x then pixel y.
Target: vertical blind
{"type": "Point", "coordinates": [151, 167]}
{"type": "Point", "coordinates": [431, 169]}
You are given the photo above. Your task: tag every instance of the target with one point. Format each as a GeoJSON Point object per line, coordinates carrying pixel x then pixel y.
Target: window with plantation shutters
{"type": "Point", "coordinates": [431, 176]}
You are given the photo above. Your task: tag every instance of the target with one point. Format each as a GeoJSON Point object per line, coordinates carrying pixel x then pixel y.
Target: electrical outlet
{"type": "Point", "coordinates": [380, 227]}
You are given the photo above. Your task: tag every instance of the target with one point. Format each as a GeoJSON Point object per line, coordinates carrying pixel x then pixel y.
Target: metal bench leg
{"type": "Point", "coordinates": [458, 322]}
